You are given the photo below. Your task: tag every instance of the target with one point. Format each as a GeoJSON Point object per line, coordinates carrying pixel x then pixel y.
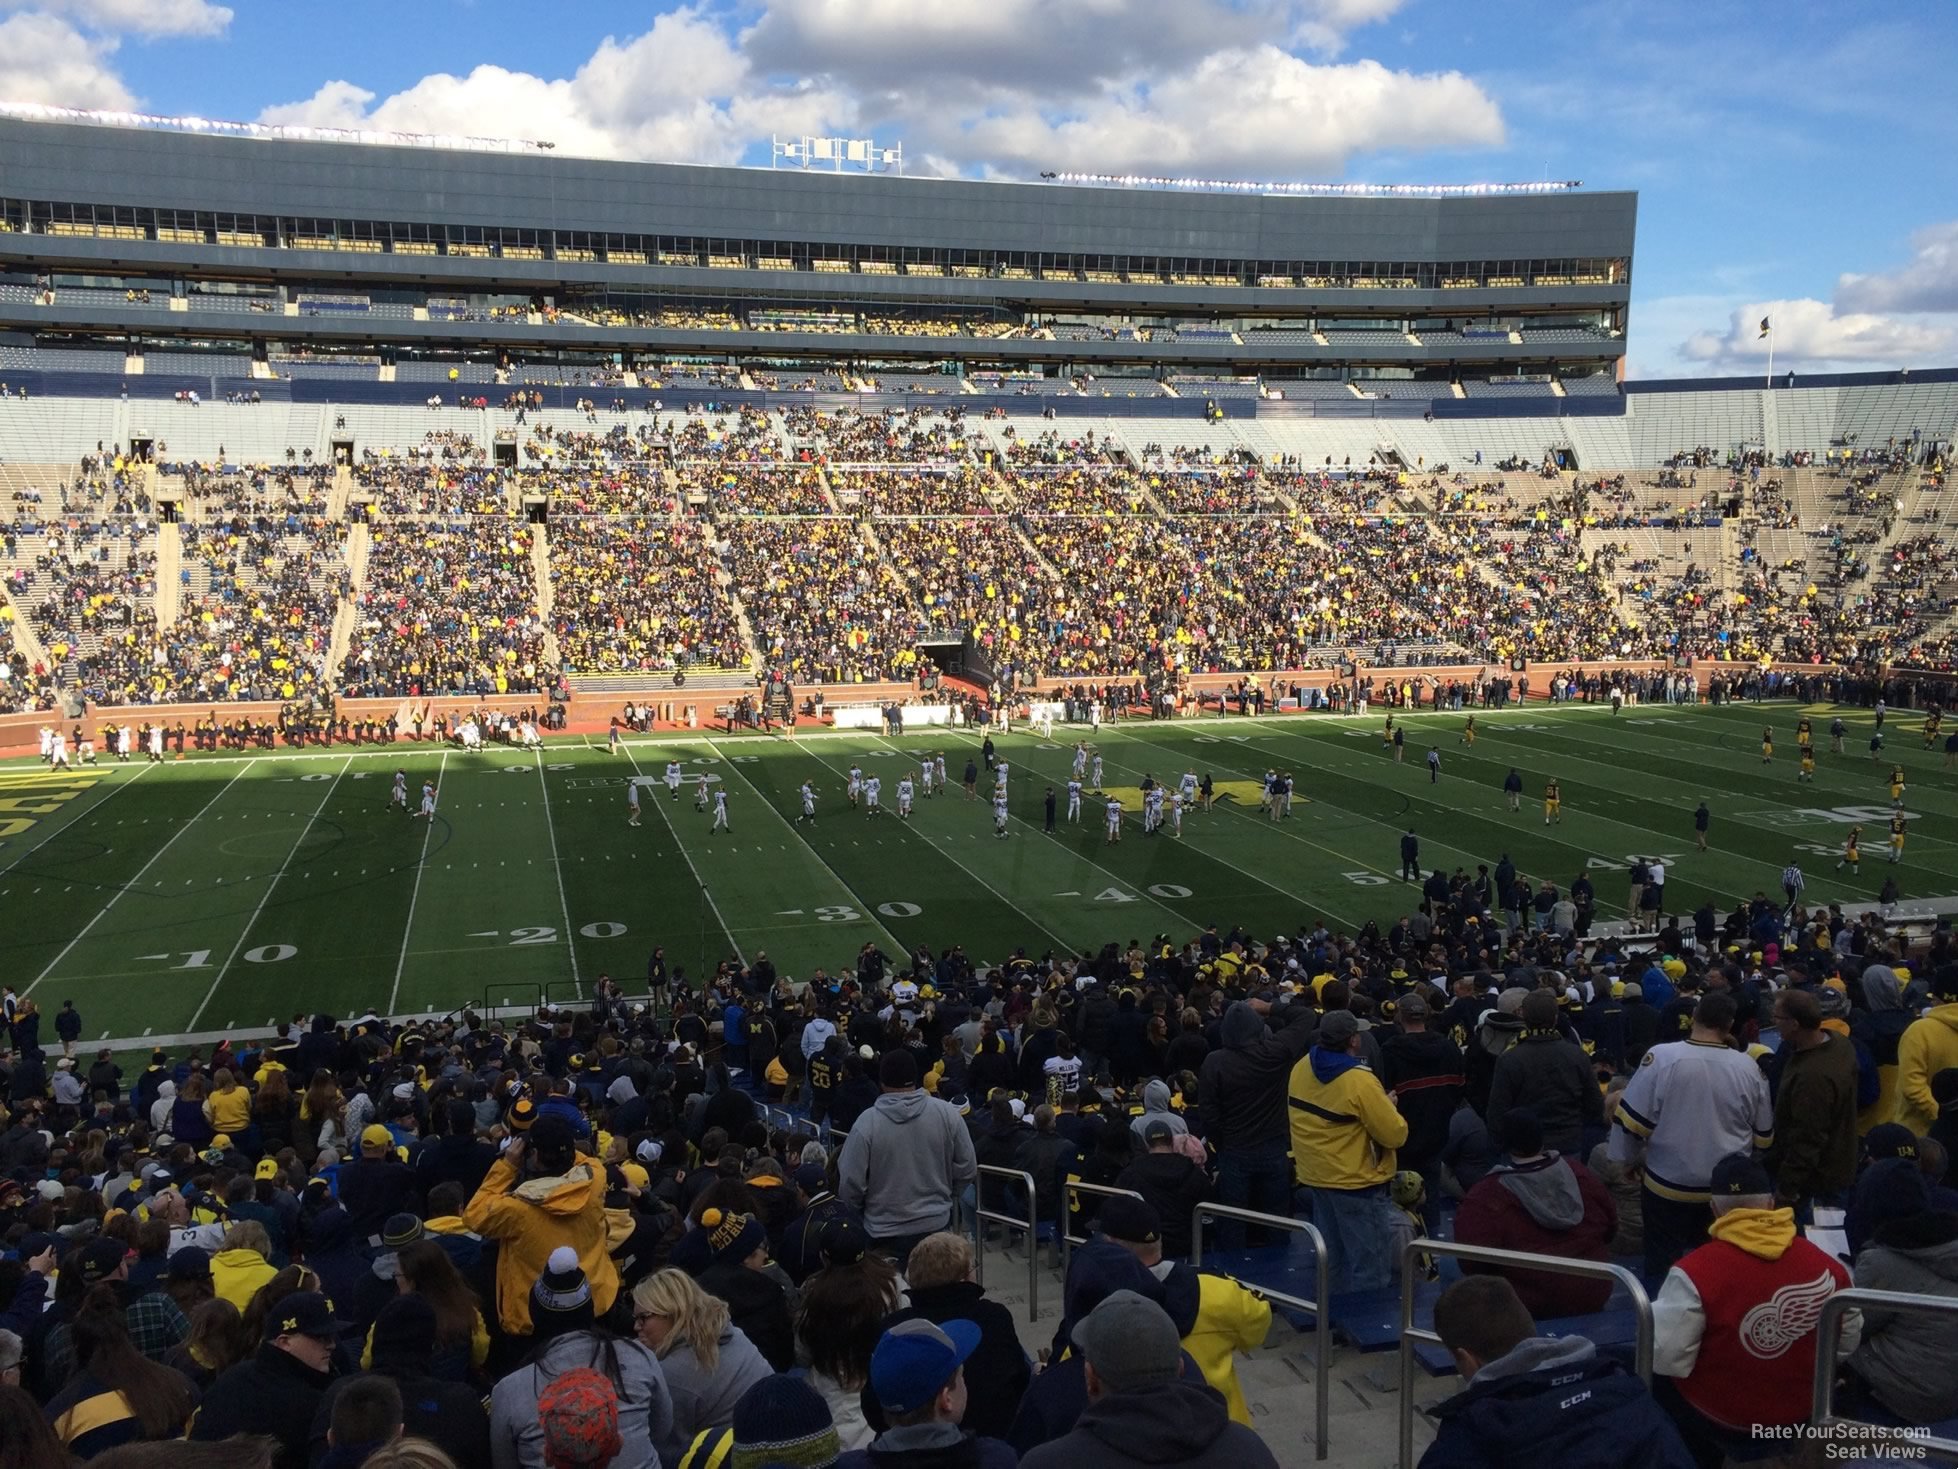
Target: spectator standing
{"type": "Point", "coordinates": [1928, 1046]}
{"type": "Point", "coordinates": [1241, 1095]}
{"type": "Point", "coordinates": [1913, 1249]}
{"type": "Point", "coordinates": [1688, 1106]}
{"type": "Point", "coordinates": [1344, 1135]}
{"type": "Point", "coordinates": [905, 1162]}
{"type": "Point", "coordinates": [446, 1413]}
{"type": "Point", "coordinates": [1422, 1071]}
{"type": "Point", "coordinates": [539, 1196]}
{"type": "Point", "coordinates": [1813, 1160]}
{"type": "Point", "coordinates": [1172, 1184]}
{"type": "Point", "coordinates": [1550, 1074]}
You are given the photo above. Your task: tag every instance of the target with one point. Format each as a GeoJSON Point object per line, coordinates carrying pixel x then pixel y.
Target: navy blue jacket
{"type": "Point", "coordinates": [1555, 1400]}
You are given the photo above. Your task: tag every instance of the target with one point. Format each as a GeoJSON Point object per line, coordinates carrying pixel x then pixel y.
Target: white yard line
{"type": "Point", "coordinates": [414, 898]}
{"type": "Point", "coordinates": [116, 896]}
{"type": "Point", "coordinates": [266, 896]}
{"type": "Point", "coordinates": [117, 789]}
{"type": "Point", "coordinates": [564, 904]}
{"type": "Point", "coordinates": [650, 797]}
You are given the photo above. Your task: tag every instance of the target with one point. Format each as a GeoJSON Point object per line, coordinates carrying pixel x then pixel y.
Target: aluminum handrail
{"type": "Point", "coordinates": [1030, 1225]}
{"type": "Point", "coordinates": [1485, 1255]}
{"type": "Point", "coordinates": [1914, 1442]}
{"type": "Point", "coordinates": [1320, 1305]}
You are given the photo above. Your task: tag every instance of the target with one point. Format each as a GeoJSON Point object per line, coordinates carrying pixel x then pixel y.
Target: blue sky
{"type": "Point", "coordinates": [1794, 161]}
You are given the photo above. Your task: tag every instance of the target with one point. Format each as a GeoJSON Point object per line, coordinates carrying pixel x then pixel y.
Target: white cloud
{"type": "Point", "coordinates": [136, 17]}
{"type": "Point", "coordinates": [1928, 283]}
{"type": "Point", "coordinates": [1819, 335]}
{"type": "Point", "coordinates": [1013, 86]}
{"type": "Point", "coordinates": [44, 59]}
{"type": "Point", "coordinates": [681, 92]}
{"type": "Point", "coordinates": [1248, 112]}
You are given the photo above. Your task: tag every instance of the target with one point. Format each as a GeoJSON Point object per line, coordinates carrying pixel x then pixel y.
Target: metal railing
{"type": "Point", "coordinates": [1914, 1442]}
{"type": "Point", "coordinates": [1069, 1189]}
{"type": "Point", "coordinates": [1030, 1226]}
{"type": "Point", "coordinates": [1320, 1305]}
{"type": "Point", "coordinates": [1483, 1254]}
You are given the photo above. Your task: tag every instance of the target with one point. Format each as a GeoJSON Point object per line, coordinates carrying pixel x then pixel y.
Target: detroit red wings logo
{"type": "Point", "coordinates": [1785, 1317]}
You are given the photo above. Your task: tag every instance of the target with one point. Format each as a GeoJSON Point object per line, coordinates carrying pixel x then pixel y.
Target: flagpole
{"type": "Point", "coordinates": [1770, 382]}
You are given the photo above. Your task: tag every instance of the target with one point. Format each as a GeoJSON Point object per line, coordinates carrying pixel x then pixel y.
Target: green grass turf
{"type": "Point", "coordinates": [212, 893]}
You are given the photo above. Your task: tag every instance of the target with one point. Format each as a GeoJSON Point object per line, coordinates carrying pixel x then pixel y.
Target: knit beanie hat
{"type": "Point", "coordinates": [579, 1414]}
{"type": "Point", "coordinates": [732, 1236]}
{"type": "Point", "coordinates": [404, 1332]}
{"type": "Point", "coordinates": [561, 1299]}
{"type": "Point", "coordinates": [783, 1421]}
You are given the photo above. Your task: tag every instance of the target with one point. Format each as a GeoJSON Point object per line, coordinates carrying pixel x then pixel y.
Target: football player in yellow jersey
{"type": "Point", "coordinates": [1804, 734]}
{"type": "Point", "coordinates": [1896, 785]}
{"type": "Point", "coordinates": [1807, 771]}
{"type": "Point", "coordinates": [1553, 803]}
{"type": "Point", "coordinates": [1896, 836]}
{"type": "Point", "coordinates": [1852, 850]}
{"type": "Point", "coordinates": [1767, 745]}
{"type": "Point", "coordinates": [1933, 720]}
{"type": "Point", "coordinates": [1387, 734]}
{"type": "Point", "coordinates": [1468, 732]}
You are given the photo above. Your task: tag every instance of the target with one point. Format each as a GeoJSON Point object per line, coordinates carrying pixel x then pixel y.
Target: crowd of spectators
{"type": "Point", "coordinates": [637, 595]}
{"type": "Point", "coordinates": [581, 1239]}
{"type": "Point", "coordinates": [447, 608]}
{"type": "Point", "coordinates": [410, 488]}
{"type": "Point", "coordinates": [257, 611]}
{"type": "Point", "coordinates": [822, 603]}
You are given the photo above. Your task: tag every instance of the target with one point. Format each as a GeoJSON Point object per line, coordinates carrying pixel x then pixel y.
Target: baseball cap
{"type": "Point", "coordinates": [1158, 1131]}
{"type": "Point", "coordinates": [102, 1257]}
{"type": "Point", "coordinates": [375, 1138]}
{"type": "Point", "coordinates": [1739, 1176]}
{"type": "Point", "coordinates": [267, 1168]}
{"type": "Point", "coordinates": [1412, 1006]}
{"type": "Point", "coordinates": [915, 1359]}
{"type": "Point", "coordinates": [190, 1263]}
{"type": "Point", "coordinates": [303, 1313]}
{"type": "Point", "coordinates": [1337, 1028]}
{"type": "Point", "coordinates": [1130, 1342]}
{"type": "Point", "coordinates": [1133, 1221]}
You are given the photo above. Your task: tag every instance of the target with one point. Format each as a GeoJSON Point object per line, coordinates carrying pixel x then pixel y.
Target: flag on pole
{"type": "Point", "coordinates": [1765, 328]}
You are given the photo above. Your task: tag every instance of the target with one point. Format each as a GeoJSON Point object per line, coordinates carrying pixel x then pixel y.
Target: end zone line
{"type": "Point", "coordinates": [245, 933]}
{"type": "Point", "coordinates": [687, 857]}
{"type": "Point", "coordinates": [408, 929]}
{"type": "Point", "coordinates": [116, 896]}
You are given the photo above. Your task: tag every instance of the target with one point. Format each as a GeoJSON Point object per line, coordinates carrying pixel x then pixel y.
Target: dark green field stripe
{"type": "Point", "coordinates": [487, 927]}
{"type": "Point", "coordinates": [775, 892]}
{"type": "Point", "coordinates": [342, 905]}
{"type": "Point", "coordinates": [1156, 868]}
{"type": "Point", "coordinates": [625, 877]}
{"type": "Point", "coordinates": [1729, 779]}
{"type": "Point", "coordinates": [192, 907]}
{"type": "Point", "coordinates": [933, 863]}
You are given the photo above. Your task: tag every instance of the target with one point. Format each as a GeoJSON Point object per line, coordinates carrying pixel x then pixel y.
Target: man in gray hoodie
{"type": "Point", "coordinates": [906, 1161]}
{"type": "Point", "coordinates": [1155, 1108]}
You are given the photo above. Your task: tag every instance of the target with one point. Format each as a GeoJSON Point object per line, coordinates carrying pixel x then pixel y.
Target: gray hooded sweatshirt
{"type": "Point", "coordinates": [904, 1163]}
{"type": "Point", "coordinates": [1549, 1195]}
{"type": "Point", "coordinates": [1155, 1104]}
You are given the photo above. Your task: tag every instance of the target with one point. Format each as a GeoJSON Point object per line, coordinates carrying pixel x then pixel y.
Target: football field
{"type": "Point", "coordinates": [214, 892]}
